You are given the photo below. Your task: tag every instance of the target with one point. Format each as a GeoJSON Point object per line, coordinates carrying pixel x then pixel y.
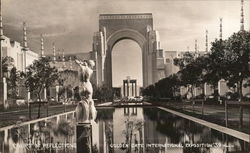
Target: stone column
{"type": "Point", "coordinates": [28, 96]}
{"type": "Point", "coordinates": [66, 116]}
{"type": "Point", "coordinates": [205, 89]}
{"type": "Point", "coordinates": [57, 92]}
{"type": "Point", "coordinates": [124, 88]}
{"type": "Point", "coordinates": [6, 105]}
{"type": "Point", "coordinates": [45, 94]}
{"type": "Point", "coordinates": [195, 91]}
{"type": "Point", "coordinates": [132, 83]}
{"type": "Point", "coordinates": [127, 89]}
{"type": "Point", "coordinates": [219, 87]}
{"type": "Point", "coordinates": [2, 92]}
{"type": "Point", "coordinates": [57, 119]}
{"type": "Point", "coordinates": [5, 136]}
{"type": "Point", "coordinates": [135, 88]}
{"type": "Point", "coordinates": [29, 133]}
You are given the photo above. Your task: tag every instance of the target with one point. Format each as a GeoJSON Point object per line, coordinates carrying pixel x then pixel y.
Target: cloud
{"type": "Point", "coordinates": [71, 23]}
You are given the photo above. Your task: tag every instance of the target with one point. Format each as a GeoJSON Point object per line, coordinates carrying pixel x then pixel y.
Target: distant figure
{"type": "Point", "coordinates": [85, 110]}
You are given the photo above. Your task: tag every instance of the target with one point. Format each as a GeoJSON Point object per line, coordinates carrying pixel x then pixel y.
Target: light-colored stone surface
{"type": "Point", "coordinates": [138, 27]}
{"type": "Point", "coordinates": [105, 104]}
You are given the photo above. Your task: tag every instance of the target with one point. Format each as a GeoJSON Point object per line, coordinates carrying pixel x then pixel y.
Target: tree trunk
{"type": "Point", "coordinates": [192, 98]}
{"type": "Point", "coordinates": [240, 99]}
{"type": "Point", "coordinates": [203, 91]}
{"type": "Point", "coordinates": [241, 116]}
{"type": "Point", "coordinates": [39, 104]}
{"type": "Point", "coordinates": [240, 90]}
{"type": "Point", "coordinates": [216, 91]}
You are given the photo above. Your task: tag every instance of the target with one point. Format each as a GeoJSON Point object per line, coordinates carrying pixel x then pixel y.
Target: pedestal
{"type": "Point", "coordinates": [219, 87]}
{"type": "Point", "coordinates": [3, 93]}
{"type": "Point", "coordinates": [6, 136]}
{"type": "Point", "coordinates": [57, 92]}
{"type": "Point", "coordinates": [28, 97]}
{"type": "Point", "coordinates": [84, 138]}
{"type": "Point", "coordinates": [45, 94]}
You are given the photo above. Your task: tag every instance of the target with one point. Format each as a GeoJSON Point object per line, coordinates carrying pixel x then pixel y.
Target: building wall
{"type": "Point", "coordinates": [14, 49]}
{"type": "Point", "coordinates": [160, 64]}
{"type": "Point", "coordinates": [69, 62]}
{"type": "Point", "coordinates": [30, 57]}
{"type": "Point", "coordinates": [170, 68]}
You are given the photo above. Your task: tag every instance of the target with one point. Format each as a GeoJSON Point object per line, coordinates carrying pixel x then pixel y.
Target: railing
{"type": "Point", "coordinates": [39, 103]}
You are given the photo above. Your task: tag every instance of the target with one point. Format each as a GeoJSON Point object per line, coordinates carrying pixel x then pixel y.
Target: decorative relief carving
{"type": "Point", "coordinates": [113, 17]}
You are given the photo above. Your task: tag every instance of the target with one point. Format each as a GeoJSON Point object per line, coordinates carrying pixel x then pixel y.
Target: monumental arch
{"type": "Point", "coordinates": [137, 27]}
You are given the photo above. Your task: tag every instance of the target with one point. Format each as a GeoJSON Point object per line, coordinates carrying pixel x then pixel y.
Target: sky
{"type": "Point", "coordinates": [72, 23]}
{"type": "Point", "coordinates": [126, 61]}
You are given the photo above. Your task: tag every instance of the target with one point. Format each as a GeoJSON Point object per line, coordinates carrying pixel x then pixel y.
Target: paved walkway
{"type": "Point", "coordinates": [14, 116]}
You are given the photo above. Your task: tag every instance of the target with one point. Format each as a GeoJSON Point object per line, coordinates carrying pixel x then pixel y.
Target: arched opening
{"type": "Point", "coordinates": [126, 61]}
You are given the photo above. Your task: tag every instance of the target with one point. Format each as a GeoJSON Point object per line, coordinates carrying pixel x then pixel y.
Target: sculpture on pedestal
{"type": "Point", "coordinates": [85, 110]}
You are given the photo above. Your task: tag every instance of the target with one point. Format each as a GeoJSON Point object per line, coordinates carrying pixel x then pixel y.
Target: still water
{"type": "Point", "coordinates": [121, 130]}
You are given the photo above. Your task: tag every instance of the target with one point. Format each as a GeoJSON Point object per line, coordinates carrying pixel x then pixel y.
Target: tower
{"type": "Point", "coordinates": [242, 16]}
{"type": "Point", "coordinates": [71, 64]}
{"type": "Point", "coordinates": [54, 53]}
{"type": "Point", "coordinates": [1, 39]}
{"type": "Point", "coordinates": [63, 59]}
{"type": "Point", "coordinates": [25, 46]}
{"type": "Point", "coordinates": [220, 28]}
{"type": "Point", "coordinates": [42, 47]}
{"type": "Point", "coordinates": [196, 46]}
{"type": "Point", "coordinates": [3, 84]}
{"type": "Point", "coordinates": [206, 41]}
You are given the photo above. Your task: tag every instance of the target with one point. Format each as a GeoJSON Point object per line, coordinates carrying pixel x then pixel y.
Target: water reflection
{"type": "Point", "coordinates": [48, 136]}
{"type": "Point", "coordinates": [121, 130]}
{"type": "Point", "coordinates": [171, 129]}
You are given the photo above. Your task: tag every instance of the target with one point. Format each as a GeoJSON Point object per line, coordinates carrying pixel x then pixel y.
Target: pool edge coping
{"type": "Point", "coordinates": [228, 131]}
{"type": "Point", "coordinates": [33, 121]}
{"type": "Point", "coordinates": [43, 118]}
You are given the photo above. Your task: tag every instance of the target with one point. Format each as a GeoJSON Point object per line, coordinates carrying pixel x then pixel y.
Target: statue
{"type": "Point", "coordinates": [85, 110]}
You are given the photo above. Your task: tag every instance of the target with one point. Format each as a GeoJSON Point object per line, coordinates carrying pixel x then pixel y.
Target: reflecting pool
{"type": "Point", "coordinates": [121, 130]}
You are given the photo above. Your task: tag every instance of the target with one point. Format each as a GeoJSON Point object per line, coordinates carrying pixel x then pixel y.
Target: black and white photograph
{"type": "Point", "coordinates": [124, 76]}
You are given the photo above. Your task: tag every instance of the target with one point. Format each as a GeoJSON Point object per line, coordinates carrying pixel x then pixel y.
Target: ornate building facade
{"type": "Point", "coordinates": [13, 49]}
{"type": "Point", "coordinates": [137, 27]}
